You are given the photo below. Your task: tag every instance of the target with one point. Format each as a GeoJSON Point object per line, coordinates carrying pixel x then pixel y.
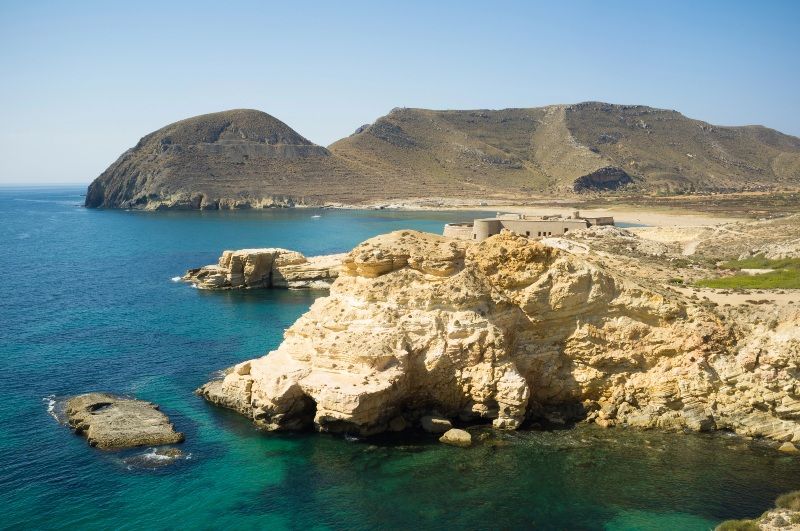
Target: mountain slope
{"type": "Point", "coordinates": [573, 148]}
{"type": "Point", "coordinates": [246, 158]}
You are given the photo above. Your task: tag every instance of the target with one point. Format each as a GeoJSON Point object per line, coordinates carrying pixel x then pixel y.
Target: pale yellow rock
{"type": "Point", "coordinates": [267, 268]}
{"type": "Point", "coordinates": [506, 328]}
{"type": "Point", "coordinates": [457, 437]}
{"type": "Point", "coordinates": [789, 448]}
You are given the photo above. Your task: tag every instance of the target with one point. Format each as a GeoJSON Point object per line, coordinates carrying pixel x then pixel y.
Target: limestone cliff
{"type": "Point", "coordinates": [509, 330]}
{"type": "Point", "coordinates": [266, 268]}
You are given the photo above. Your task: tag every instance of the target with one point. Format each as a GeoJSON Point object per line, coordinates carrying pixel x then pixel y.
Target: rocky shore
{"type": "Point", "coordinates": [266, 268]}
{"type": "Point", "coordinates": [511, 331]}
{"type": "Point", "coordinates": [112, 422]}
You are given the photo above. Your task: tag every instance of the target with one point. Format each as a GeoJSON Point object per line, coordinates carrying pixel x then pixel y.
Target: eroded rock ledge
{"type": "Point", "coordinates": [109, 421]}
{"type": "Point", "coordinates": [267, 268]}
{"type": "Point", "coordinates": [505, 330]}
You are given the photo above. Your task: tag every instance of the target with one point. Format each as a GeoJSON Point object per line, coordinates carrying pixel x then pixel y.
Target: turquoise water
{"type": "Point", "coordinates": [86, 303]}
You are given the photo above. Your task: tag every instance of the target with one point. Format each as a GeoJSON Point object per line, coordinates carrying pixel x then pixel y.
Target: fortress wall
{"type": "Point", "coordinates": [462, 231]}
{"type": "Point", "coordinates": [487, 227]}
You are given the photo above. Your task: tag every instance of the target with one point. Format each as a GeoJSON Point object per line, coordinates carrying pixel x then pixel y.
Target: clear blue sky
{"type": "Point", "coordinates": [83, 81]}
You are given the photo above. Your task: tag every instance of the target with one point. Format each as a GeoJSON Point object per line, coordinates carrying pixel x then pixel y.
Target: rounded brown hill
{"type": "Point", "coordinates": [233, 159]}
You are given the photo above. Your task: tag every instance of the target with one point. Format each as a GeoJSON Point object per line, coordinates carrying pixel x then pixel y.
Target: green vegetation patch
{"type": "Point", "coordinates": [789, 500]}
{"type": "Point", "coordinates": [738, 525]}
{"type": "Point", "coordinates": [786, 274]}
{"type": "Point", "coordinates": [759, 262]}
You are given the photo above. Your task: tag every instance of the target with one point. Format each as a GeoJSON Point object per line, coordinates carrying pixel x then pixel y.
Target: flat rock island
{"type": "Point", "coordinates": [111, 422]}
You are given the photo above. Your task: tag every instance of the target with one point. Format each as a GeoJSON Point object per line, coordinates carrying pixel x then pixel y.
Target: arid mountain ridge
{"type": "Point", "coordinates": [249, 159]}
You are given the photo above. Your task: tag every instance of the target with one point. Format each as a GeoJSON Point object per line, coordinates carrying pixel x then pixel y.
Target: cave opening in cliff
{"type": "Point", "coordinates": [303, 413]}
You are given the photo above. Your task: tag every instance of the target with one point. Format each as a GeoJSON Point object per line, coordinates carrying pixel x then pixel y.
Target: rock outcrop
{"type": "Point", "coordinates": [109, 422]}
{"type": "Point", "coordinates": [457, 437]}
{"type": "Point", "coordinates": [785, 516]}
{"type": "Point", "coordinates": [510, 330]}
{"type": "Point", "coordinates": [267, 268]}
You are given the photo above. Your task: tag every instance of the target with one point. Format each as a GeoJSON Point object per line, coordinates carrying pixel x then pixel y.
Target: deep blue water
{"type": "Point", "coordinates": [86, 303]}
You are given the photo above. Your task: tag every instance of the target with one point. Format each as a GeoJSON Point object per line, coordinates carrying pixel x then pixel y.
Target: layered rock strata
{"type": "Point", "coordinates": [267, 268]}
{"type": "Point", "coordinates": [508, 330]}
{"type": "Point", "coordinates": [108, 421]}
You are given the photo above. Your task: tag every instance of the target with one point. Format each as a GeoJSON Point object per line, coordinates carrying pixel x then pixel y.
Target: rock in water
{"type": "Point", "coordinates": [267, 268]}
{"type": "Point", "coordinates": [788, 448]}
{"type": "Point", "coordinates": [456, 437]}
{"type": "Point", "coordinates": [508, 329]}
{"type": "Point", "coordinates": [109, 421]}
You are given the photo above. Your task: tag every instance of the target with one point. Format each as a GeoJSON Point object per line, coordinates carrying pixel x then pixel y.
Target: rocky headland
{"type": "Point", "coordinates": [266, 268]}
{"type": "Point", "coordinates": [514, 332]}
{"type": "Point", "coordinates": [235, 159]}
{"type": "Point", "coordinates": [111, 422]}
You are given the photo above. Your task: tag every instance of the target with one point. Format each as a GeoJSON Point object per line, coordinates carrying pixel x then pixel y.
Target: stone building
{"type": "Point", "coordinates": [529, 226]}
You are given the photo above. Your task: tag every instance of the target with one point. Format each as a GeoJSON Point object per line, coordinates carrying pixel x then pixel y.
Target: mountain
{"type": "Point", "coordinates": [247, 158]}
{"type": "Point", "coordinates": [233, 159]}
{"type": "Point", "coordinates": [572, 148]}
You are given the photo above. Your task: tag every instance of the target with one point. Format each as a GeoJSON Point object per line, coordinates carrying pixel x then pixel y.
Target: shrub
{"type": "Point", "coordinates": [675, 280]}
{"type": "Point", "coordinates": [738, 525]}
{"type": "Point", "coordinates": [790, 500]}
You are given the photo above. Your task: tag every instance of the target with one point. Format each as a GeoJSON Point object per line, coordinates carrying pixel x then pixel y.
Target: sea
{"type": "Point", "coordinates": [89, 302]}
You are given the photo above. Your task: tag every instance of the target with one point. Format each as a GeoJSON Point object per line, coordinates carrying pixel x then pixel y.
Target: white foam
{"type": "Point", "coordinates": [316, 216]}
{"type": "Point", "coordinates": [55, 408]}
{"type": "Point", "coordinates": [176, 279]}
{"type": "Point", "coordinates": [151, 454]}
{"type": "Point", "coordinates": [51, 405]}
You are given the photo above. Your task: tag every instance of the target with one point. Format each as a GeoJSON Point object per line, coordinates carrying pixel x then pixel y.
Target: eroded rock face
{"type": "Point", "coordinates": [108, 421]}
{"type": "Point", "coordinates": [266, 268]}
{"type": "Point", "coordinates": [506, 330]}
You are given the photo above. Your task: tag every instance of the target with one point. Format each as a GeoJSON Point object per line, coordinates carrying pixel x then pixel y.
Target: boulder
{"type": "Point", "coordinates": [788, 448]}
{"type": "Point", "coordinates": [108, 421]}
{"type": "Point", "coordinates": [456, 437]}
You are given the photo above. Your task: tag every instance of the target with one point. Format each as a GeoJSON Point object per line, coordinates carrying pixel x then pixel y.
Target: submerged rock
{"type": "Point", "coordinates": [456, 437]}
{"type": "Point", "coordinates": [108, 421]}
{"type": "Point", "coordinates": [266, 268]}
{"type": "Point", "coordinates": [789, 448]}
{"type": "Point", "coordinates": [506, 330]}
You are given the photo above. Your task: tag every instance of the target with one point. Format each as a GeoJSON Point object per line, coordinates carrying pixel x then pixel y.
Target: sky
{"type": "Point", "coordinates": [81, 82]}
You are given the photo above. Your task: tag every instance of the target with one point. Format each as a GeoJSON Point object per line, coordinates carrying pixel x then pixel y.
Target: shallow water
{"type": "Point", "coordinates": [87, 303]}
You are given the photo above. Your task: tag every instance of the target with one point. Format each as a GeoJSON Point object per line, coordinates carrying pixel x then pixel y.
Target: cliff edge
{"type": "Point", "coordinates": [510, 331]}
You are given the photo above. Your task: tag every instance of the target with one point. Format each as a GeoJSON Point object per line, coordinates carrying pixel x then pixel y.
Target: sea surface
{"type": "Point", "coordinates": [87, 302]}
